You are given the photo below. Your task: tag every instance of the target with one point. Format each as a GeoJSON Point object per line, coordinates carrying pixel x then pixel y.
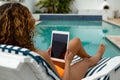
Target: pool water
{"type": "Point", "coordinates": [91, 33]}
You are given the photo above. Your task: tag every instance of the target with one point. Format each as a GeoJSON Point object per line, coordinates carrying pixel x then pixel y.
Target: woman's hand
{"type": "Point", "coordinates": [68, 56]}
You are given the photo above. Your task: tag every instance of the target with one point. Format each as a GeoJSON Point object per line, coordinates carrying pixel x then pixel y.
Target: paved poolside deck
{"type": "Point", "coordinates": [113, 38]}
{"type": "Point", "coordinates": [37, 22]}
{"type": "Point", "coordinates": [115, 21]}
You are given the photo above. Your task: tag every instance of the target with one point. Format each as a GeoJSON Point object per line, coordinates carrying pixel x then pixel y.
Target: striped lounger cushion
{"type": "Point", "coordinates": [51, 75]}
{"type": "Point", "coordinates": [49, 71]}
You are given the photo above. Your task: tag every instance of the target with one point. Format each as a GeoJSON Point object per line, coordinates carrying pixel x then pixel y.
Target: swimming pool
{"type": "Point", "coordinates": [91, 33]}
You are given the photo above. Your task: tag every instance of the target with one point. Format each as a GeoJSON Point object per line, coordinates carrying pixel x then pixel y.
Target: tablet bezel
{"type": "Point", "coordinates": [59, 32]}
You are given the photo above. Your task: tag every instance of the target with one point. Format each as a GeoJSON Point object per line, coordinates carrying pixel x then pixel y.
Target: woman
{"type": "Point", "coordinates": [17, 28]}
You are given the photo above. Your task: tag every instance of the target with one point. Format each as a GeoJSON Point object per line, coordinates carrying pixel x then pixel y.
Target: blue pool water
{"type": "Point", "coordinates": [91, 33]}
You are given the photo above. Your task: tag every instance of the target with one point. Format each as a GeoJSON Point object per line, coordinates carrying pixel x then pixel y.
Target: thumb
{"type": "Point", "coordinates": [49, 50]}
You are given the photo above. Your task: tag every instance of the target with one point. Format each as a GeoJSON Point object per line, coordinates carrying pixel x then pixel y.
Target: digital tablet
{"type": "Point", "coordinates": [59, 44]}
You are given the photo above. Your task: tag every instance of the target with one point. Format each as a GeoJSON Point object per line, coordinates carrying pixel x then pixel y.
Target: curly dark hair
{"type": "Point", "coordinates": [16, 25]}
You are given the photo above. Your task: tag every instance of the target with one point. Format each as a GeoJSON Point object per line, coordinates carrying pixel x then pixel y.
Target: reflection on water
{"type": "Point", "coordinates": [105, 31]}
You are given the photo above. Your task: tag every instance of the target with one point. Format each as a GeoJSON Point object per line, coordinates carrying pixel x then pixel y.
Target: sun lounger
{"type": "Point", "coordinates": [23, 64]}
{"type": "Point", "coordinates": [106, 70]}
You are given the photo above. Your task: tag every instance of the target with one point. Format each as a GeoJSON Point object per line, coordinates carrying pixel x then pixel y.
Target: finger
{"type": "Point", "coordinates": [71, 55]}
{"type": "Point", "coordinates": [49, 49]}
{"type": "Point", "coordinates": [66, 53]}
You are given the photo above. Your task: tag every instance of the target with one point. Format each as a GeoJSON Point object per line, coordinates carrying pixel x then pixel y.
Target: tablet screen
{"type": "Point", "coordinates": [59, 45]}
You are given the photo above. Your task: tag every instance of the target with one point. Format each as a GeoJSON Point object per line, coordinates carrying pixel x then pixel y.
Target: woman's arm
{"type": "Point", "coordinates": [66, 65]}
{"type": "Point", "coordinates": [68, 58]}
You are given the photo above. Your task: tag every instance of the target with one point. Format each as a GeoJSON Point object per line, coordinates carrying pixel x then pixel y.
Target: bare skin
{"type": "Point", "coordinates": [77, 70]}
{"type": "Point", "coordinates": [75, 46]}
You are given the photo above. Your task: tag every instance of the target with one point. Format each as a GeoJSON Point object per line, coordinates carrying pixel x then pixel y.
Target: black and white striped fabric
{"type": "Point", "coordinates": [49, 71]}
{"type": "Point", "coordinates": [51, 75]}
